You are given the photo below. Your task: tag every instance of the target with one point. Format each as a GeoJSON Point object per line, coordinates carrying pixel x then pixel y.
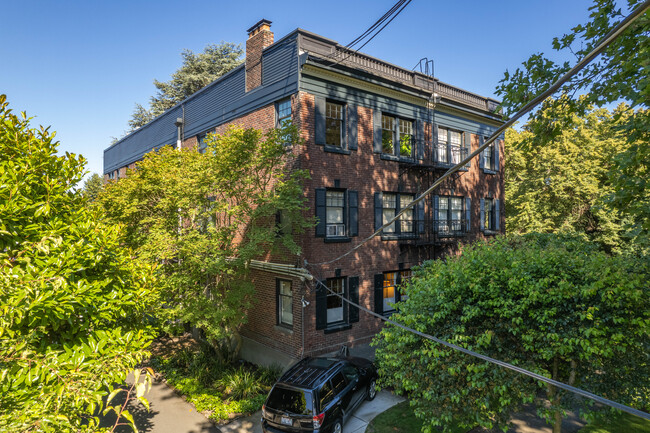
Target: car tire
{"type": "Point", "coordinates": [338, 426]}
{"type": "Point", "coordinates": [371, 393]}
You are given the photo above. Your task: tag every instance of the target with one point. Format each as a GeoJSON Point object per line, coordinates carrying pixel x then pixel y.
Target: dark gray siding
{"type": "Point", "coordinates": [220, 102]}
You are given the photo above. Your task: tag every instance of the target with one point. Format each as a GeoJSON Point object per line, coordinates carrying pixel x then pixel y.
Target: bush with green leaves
{"type": "Point", "coordinates": [74, 303]}
{"type": "Point", "coordinates": [555, 305]}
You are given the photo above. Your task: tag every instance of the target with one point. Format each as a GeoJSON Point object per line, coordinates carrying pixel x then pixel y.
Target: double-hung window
{"type": "Point", "coordinates": [283, 118]}
{"type": "Point", "coordinates": [335, 202]}
{"type": "Point", "coordinates": [335, 307]}
{"type": "Point", "coordinates": [449, 149]}
{"type": "Point", "coordinates": [334, 124]}
{"type": "Point", "coordinates": [337, 213]}
{"type": "Point", "coordinates": [284, 303]}
{"type": "Point", "coordinates": [451, 215]}
{"type": "Point", "coordinates": [387, 290]}
{"type": "Point", "coordinates": [489, 161]}
{"type": "Point", "coordinates": [202, 145]}
{"type": "Point", "coordinates": [397, 136]}
{"type": "Point", "coordinates": [387, 205]}
{"type": "Point", "coordinates": [490, 215]}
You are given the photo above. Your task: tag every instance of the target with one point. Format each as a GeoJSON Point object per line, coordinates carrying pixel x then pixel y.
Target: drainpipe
{"type": "Point", "coordinates": [179, 126]}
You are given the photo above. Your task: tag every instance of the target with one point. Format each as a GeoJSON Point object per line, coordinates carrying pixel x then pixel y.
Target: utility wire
{"type": "Point", "coordinates": [605, 41]}
{"type": "Point", "coordinates": [503, 364]}
{"type": "Point", "coordinates": [394, 11]}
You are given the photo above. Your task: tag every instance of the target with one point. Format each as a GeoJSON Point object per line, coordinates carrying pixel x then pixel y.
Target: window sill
{"type": "Point", "coordinates": [398, 237]}
{"type": "Point", "coordinates": [388, 157]}
{"type": "Point", "coordinates": [488, 171]}
{"type": "Point", "coordinates": [452, 235]}
{"type": "Point", "coordinates": [491, 232]}
{"type": "Point", "coordinates": [334, 240]}
{"type": "Point", "coordinates": [284, 329]}
{"type": "Point", "coordinates": [337, 327]}
{"type": "Point", "coordinates": [334, 149]}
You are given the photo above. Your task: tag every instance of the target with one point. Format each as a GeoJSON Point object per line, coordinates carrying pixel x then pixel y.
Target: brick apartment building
{"type": "Point", "coordinates": [375, 136]}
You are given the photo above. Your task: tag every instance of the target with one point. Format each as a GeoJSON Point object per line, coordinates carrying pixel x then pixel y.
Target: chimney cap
{"type": "Point", "coordinates": [259, 24]}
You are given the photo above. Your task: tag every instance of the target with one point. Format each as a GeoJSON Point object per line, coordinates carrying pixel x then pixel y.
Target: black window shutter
{"type": "Point", "coordinates": [353, 283]}
{"type": "Point", "coordinates": [277, 301]}
{"type": "Point", "coordinates": [352, 122]}
{"type": "Point", "coordinates": [482, 214]}
{"type": "Point", "coordinates": [468, 214]}
{"type": "Point", "coordinates": [420, 216]}
{"type": "Point", "coordinates": [468, 148]}
{"type": "Point", "coordinates": [321, 306]}
{"type": "Point", "coordinates": [319, 128]}
{"type": "Point", "coordinates": [376, 135]}
{"type": "Point", "coordinates": [419, 139]}
{"type": "Point", "coordinates": [497, 215]}
{"type": "Point", "coordinates": [436, 208]}
{"type": "Point", "coordinates": [378, 210]}
{"type": "Point", "coordinates": [481, 156]}
{"type": "Point", "coordinates": [353, 205]}
{"type": "Point", "coordinates": [321, 211]}
{"type": "Point", "coordinates": [495, 143]}
{"type": "Point", "coordinates": [398, 226]}
{"type": "Point", "coordinates": [379, 293]}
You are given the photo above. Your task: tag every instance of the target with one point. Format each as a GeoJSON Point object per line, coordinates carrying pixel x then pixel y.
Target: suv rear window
{"type": "Point", "coordinates": [290, 400]}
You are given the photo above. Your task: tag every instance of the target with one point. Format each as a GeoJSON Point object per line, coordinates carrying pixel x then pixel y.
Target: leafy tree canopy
{"type": "Point", "coordinates": [74, 303]}
{"type": "Point", "coordinates": [552, 304]}
{"type": "Point", "coordinates": [197, 71]}
{"type": "Point", "coordinates": [621, 73]}
{"type": "Point", "coordinates": [204, 216]}
{"type": "Point", "coordinates": [92, 187]}
{"type": "Point", "coordinates": [563, 186]}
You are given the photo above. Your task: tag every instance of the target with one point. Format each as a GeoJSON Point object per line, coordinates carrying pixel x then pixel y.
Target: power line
{"type": "Point", "coordinates": [503, 364]}
{"type": "Point", "coordinates": [386, 19]}
{"type": "Point", "coordinates": [605, 41]}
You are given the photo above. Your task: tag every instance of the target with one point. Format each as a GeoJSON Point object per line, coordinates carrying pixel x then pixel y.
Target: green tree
{"type": "Point", "coordinates": [93, 186]}
{"type": "Point", "coordinates": [561, 186]}
{"type": "Point", "coordinates": [204, 216]}
{"type": "Point", "coordinates": [551, 304]}
{"type": "Point", "coordinates": [197, 71]}
{"type": "Point", "coordinates": [621, 73]}
{"type": "Point", "coordinates": [74, 303]}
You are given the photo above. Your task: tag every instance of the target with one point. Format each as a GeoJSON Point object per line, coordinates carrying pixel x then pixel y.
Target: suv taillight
{"type": "Point", "coordinates": [318, 420]}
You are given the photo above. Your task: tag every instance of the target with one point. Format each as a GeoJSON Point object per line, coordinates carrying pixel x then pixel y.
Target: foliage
{"type": "Point", "coordinates": [623, 423]}
{"type": "Point", "coordinates": [552, 304]}
{"type": "Point", "coordinates": [562, 186]}
{"type": "Point", "coordinates": [93, 186]}
{"type": "Point", "coordinates": [208, 383]}
{"type": "Point", "coordinates": [621, 73]}
{"type": "Point", "coordinates": [74, 303]}
{"type": "Point", "coordinates": [197, 71]}
{"type": "Point", "coordinates": [204, 217]}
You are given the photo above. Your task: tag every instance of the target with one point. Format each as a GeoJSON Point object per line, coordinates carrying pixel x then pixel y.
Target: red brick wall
{"type": "Point", "coordinates": [365, 171]}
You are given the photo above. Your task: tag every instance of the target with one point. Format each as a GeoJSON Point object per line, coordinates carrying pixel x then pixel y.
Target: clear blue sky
{"type": "Point", "coordinates": [80, 66]}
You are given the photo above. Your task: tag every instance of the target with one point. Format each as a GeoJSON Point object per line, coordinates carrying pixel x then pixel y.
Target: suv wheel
{"type": "Point", "coordinates": [372, 391]}
{"type": "Point", "coordinates": [338, 427]}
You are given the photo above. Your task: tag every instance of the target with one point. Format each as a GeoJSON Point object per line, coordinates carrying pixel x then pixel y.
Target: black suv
{"type": "Point", "coordinates": [318, 395]}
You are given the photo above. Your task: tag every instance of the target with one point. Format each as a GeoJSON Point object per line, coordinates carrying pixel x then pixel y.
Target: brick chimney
{"type": "Point", "coordinates": [260, 36]}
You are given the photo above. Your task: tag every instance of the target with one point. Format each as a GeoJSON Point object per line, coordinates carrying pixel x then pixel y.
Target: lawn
{"type": "Point", "coordinates": [400, 419]}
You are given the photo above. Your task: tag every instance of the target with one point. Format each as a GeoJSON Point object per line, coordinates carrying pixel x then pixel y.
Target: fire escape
{"type": "Point", "coordinates": [430, 161]}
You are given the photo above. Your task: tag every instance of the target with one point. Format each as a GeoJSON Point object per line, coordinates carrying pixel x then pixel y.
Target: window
{"type": "Point", "coordinates": [396, 136]}
{"type": "Point", "coordinates": [489, 158]}
{"type": "Point", "coordinates": [334, 124]}
{"type": "Point", "coordinates": [285, 303]}
{"type": "Point", "coordinates": [283, 113]}
{"type": "Point", "coordinates": [283, 118]}
{"type": "Point", "coordinates": [334, 303]}
{"type": "Point", "coordinates": [337, 212]}
{"type": "Point", "coordinates": [335, 202]}
{"type": "Point", "coordinates": [202, 145]}
{"type": "Point", "coordinates": [338, 382]}
{"type": "Point", "coordinates": [111, 175]}
{"type": "Point", "coordinates": [448, 216]}
{"type": "Point", "coordinates": [450, 149]}
{"type": "Point", "coordinates": [387, 205]}
{"type": "Point", "coordinates": [490, 215]}
{"type": "Point", "coordinates": [387, 290]}
{"type": "Point", "coordinates": [326, 394]}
